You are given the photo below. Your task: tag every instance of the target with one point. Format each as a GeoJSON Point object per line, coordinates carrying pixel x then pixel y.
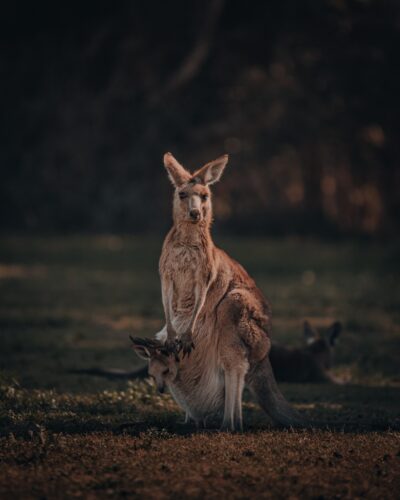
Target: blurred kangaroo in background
{"type": "Point", "coordinates": [310, 363]}
{"type": "Point", "coordinates": [211, 304]}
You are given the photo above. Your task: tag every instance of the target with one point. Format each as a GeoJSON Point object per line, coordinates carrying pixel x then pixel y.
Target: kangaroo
{"type": "Point", "coordinates": [214, 311]}
{"type": "Point", "coordinates": [310, 363]}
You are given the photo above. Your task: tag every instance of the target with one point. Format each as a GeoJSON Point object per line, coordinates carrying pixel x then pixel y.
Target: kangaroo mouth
{"type": "Point", "coordinates": [194, 220]}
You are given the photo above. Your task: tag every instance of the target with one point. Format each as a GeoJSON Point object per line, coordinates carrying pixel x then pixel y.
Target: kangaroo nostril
{"type": "Point", "coordinates": [194, 214]}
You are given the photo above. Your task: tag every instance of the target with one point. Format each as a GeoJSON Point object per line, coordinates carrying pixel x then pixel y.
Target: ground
{"type": "Point", "coordinates": [70, 303]}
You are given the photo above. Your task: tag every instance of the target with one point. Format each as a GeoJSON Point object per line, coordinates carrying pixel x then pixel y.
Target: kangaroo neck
{"type": "Point", "coordinates": [190, 234]}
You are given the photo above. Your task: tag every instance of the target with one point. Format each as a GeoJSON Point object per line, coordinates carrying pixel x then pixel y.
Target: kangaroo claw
{"type": "Point", "coordinates": [187, 349]}
{"type": "Point", "coordinates": [172, 347]}
{"type": "Point", "coordinates": [186, 344]}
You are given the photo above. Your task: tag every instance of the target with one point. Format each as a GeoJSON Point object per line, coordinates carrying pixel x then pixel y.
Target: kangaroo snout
{"type": "Point", "coordinates": [195, 214]}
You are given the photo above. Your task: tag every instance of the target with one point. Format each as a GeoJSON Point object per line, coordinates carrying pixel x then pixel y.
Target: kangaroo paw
{"type": "Point", "coordinates": [186, 344]}
{"type": "Point", "coordinates": [172, 347]}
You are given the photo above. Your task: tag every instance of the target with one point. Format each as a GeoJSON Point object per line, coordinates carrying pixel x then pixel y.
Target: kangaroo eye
{"type": "Point", "coordinates": [165, 372]}
{"type": "Point", "coordinates": [204, 197]}
{"type": "Point", "coordinates": [182, 195]}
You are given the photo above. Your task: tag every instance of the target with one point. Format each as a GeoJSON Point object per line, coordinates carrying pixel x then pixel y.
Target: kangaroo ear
{"type": "Point", "coordinates": [333, 332]}
{"type": "Point", "coordinates": [142, 352]}
{"type": "Point", "coordinates": [211, 172]}
{"type": "Point", "coordinates": [310, 334]}
{"type": "Point", "coordinates": [140, 348]}
{"type": "Point", "coordinates": [177, 174]}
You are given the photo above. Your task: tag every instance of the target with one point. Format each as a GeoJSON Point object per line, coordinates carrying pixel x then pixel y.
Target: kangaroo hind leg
{"type": "Point", "coordinates": [234, 385]}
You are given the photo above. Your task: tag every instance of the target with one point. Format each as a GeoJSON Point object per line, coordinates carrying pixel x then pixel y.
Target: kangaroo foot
{"type": "Point", "coordinates": [226, 427]}
{"type": "Point", "coordinates": [231, 426]}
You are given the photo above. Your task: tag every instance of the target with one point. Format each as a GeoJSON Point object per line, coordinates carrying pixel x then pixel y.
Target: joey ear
{"type": "Point", "coordinates": [142, 352]}
{"type": "Point", "coordinates": [140, 348]}
{"type": "Point", "coordinates": [211, 172]}
{"type": "Point", "coordinates": [333, 332]}
{"type": "Point", "coordinates": [310, 334]}
{"type": "Point", "coordinates": [177, 174]}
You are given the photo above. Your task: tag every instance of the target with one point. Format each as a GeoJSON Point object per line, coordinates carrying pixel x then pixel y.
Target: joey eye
{"type": "Point", "coordinates": [183, 195]}
{"type": "Point", "coordinates": [204, 197]}
{"type": "Point", "coordinates": [165, 372]}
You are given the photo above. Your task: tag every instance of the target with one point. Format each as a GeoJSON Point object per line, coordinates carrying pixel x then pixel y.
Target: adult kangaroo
{"type": "Point", "coordinates": [213, 309]}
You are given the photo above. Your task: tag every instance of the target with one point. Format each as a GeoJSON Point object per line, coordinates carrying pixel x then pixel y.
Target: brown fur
{"type": "Point", "coordinates": [211, 303]}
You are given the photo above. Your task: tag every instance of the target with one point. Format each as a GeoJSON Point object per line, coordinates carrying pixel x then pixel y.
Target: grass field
{"type": "Point", "coordinates": [70, 303]}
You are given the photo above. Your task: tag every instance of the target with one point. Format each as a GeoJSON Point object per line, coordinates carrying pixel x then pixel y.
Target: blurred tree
{"type": "Point", "coordinates": [304, 96]}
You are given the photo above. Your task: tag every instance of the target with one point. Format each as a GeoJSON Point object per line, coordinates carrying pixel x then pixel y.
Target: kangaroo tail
{"type": "Point", "coordinates": [113, 373]}
{"type": "Point", "coordinates": [263, 385]}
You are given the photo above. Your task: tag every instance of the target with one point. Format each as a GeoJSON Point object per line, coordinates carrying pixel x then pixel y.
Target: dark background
{"type": "Point", "coordinates": [303, 95]}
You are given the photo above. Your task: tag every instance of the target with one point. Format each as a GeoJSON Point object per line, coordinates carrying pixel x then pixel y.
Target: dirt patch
{"type": "Point", "coordinates": [160, 465]}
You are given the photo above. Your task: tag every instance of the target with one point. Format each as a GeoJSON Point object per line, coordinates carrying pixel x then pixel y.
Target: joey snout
{"type": "Point", "coordinates": [161, 388]}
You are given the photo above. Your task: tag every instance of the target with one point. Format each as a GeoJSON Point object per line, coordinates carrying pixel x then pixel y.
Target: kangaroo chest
{"type": "Point", "coordinates": [185, 271]}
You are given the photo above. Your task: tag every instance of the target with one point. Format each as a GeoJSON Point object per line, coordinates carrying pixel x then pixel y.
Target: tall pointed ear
{"type": "Point", "coordinates": [142, 352]}
{"type": "Point", "coordinates": [211, 172]}
{"type": "Point", "coordinates": [333, 332]}
{"type": "Point", "coordinates": [177, 174]}
{"type": "Point", "coordinates": [310, 334]}
{"type": "Point", "coordinates": [140, 348]}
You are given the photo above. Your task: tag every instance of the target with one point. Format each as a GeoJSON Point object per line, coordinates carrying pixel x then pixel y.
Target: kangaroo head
{"type": "Point", "coordinates": [321, 346]}
{"type": "Point", "coordinates": [192, 197]}
{"type": "Point", "coordinates": [163, 367]}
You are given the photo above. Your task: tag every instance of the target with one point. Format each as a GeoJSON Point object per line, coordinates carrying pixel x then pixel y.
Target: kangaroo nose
{"type": "Point", "coordinates": [195, 214]}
